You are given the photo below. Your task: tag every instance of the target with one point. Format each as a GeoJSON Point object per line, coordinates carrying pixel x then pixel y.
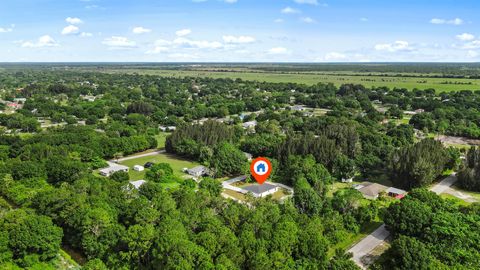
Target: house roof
{"type": "Point", "coordinates": [395, 191]}
{"type": "Point", "coordinates": [372, 189]}
{"type": "Point", "coordinates": [249, 124]}
{"type": "Point", "coordinates": [259, 189]}
{"type": "Point", "coordinates": [197, 169]}
{"type": "Point", "coordinates": [137, 184]}
{"type": "Point", "coordinates": [113, 167]}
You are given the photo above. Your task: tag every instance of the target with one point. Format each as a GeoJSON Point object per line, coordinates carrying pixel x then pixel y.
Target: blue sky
{"type": "Point", "coordinates": [239, 30]}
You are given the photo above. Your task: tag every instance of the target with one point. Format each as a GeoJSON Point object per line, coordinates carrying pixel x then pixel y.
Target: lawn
{"type": "Point", "coordinates": [161, 137]}
{"type": "Point", "coordinates": [176, 162]}
{"type": "Point", "coordinates": [454, 199]}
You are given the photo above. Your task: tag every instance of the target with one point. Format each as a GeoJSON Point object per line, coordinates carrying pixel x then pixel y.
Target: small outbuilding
{"type": "Point", "coordinates": [198, 171]}
{"type": "Point", "coordinates": [138, 168]}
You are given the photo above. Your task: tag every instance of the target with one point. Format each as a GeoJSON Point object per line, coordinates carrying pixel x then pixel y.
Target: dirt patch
{"type": "Point", "coordinates": [457, 140]}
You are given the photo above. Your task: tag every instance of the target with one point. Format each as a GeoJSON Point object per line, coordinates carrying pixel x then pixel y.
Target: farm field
{"type": "Point", "coordinates": [440, 84]}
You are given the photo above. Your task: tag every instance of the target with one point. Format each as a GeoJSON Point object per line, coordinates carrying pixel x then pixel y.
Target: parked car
{"type": "Point", "coordinates": [148, 164]}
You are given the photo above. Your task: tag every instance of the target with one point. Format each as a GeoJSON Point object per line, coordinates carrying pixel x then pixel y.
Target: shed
{"type": "Point", "coordinates": [198, 171]}
{"type": "Point", "coordinates": [138, 168]}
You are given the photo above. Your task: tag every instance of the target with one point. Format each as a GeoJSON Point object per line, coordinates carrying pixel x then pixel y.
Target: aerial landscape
{"type": "Point", "coordinates": [239, 134]}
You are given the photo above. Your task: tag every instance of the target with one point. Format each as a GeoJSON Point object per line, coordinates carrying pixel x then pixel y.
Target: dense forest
{"type": "Point", "coordinates": [72, 122]}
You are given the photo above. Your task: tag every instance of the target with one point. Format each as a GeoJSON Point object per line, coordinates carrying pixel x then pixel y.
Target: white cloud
{"type": "Point", "coordinates": [238, 39]}
{"type": "Point", "coordinates": [456, 21]}
{"type": "Point", "coordinates": [474, 44]}
{"type": "Point", "coordinates": [7, 30]}
{"type": "Point", "coordinates": [289, 10]}
{"type": "Point", "coordinates": [278, 21]}
{"type": "Point", "coordinates": [307, 20]}
{"type": "Point", "coordinates": [70, 30]}
{"type": "Point", "coordinates": [200, 44]}
{"type": "Point", "coordinates": [472, 54]}
{"type": "Point", "coordinates": [86, 34]}
{"type": "Point", "coordinates": [394, 47]}
{"type": "Point", "coordinates": [119, 42]}
{"type": "Point", "coordinates": [230, 1]}
{"type": "Point", "coordinates": [182, 56]}
{"type": "Point", "coordinates": [43, 41]}
{"type": "Point", "coordinates": [310, 2]}
{"type": "Point", "coordinates": [278, 50]}
{"type": "Point", "coordinates": [141, 30]}
{"type": "Point", "coordinates": [157, 50]}
{"type": "Point", "coordinates": [71, 20]}
{"type": "Point", "coordinates": [334, 56]}
{"type": "Point", "coordinates": [465, 37]}
{"type": "Point", "coordinates": [183, 32]}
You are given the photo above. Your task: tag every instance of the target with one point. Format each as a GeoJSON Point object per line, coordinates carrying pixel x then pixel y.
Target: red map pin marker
{"type": "Point", "coordinates": [261, 169]}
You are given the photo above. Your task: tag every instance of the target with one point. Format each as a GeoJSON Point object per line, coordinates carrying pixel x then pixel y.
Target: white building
{"type": "Point", "coordinates": [198, 171]}
{"type": "Point", "coordinates": [138, 168]}
{"type": "Point", "coordinates": [249, 124]}
{"type": "Point", "coordinates": [112, 168]}
{"type": "Point", "coordinates": [137, 184]}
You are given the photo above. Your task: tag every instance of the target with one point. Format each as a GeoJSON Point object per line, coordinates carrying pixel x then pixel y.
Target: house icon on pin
{"type": "Point", "coordinates": [261, 168]}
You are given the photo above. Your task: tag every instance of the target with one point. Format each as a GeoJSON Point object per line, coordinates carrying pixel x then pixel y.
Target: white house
{"type": "Point", "coordinates": [198, 171]}
{"type": "Point", "coordinates": [137, 184]}
{"type": "Point", "coordinates": [112, 168]}
{"type": "Point", "coordinates": [297, 108]}
{"type": "Point", "coordinates": [249, 124]}
{"type": "Point", "coordinates": [138, 168]}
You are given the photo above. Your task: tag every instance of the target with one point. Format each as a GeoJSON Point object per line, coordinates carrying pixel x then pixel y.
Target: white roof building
{"type": "Point", "coordinates": [113, 168]}
{"type": "Point", "coordinates": [249, 124]}
{"type": "Point", "coordinates": [138, 168]}
{"type": "Point", "coordinates": [137, 184]}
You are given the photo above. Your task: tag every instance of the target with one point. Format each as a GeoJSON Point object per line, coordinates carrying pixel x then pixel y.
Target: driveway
{"type": "Point", "coordinates": [377, 238]}
{"type": "Point", "coordinates": [154, 153]}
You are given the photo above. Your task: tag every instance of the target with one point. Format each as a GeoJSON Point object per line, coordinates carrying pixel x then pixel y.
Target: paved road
{"type": "Point", "coordinates": [377, 238]}
{"type": "Point", "coordinates": [139, 156]}
{"type": "Point", "coordinates": [445, 184]}
{"type": "Point", "coordinates": [368, 244]}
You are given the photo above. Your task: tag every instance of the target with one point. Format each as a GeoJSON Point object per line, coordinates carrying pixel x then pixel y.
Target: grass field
{"type": "Point", "coordinates": [161, 137]}
{"type": "Point", "coordinates": [454, 199]}
{"type": "Point", "coordinates": [177, 164]}
{"type": "Point", "coordinates": [440, 84]}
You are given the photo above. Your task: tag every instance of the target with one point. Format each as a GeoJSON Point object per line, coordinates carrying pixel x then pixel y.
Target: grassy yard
{"type": "Point", "coordinates": [475, 195]}
{"type": "Point", "coordinates": [177, 164]}
{"type": "Point", "coordinates": [161, 137]}
{"type": "Point", "coordinates": [454, 199]}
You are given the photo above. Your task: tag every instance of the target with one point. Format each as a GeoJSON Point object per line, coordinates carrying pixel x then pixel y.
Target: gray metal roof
{"type": "Point", "coordinates": [197, 169]}
{"type": "Point", "coordinates": [395, 190]}
{"type": "Point", "coordinates": [259, 189]}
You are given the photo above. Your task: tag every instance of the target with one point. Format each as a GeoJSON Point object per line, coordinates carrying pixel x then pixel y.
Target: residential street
{"type": "Point", "coordinates": [377, 238]}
